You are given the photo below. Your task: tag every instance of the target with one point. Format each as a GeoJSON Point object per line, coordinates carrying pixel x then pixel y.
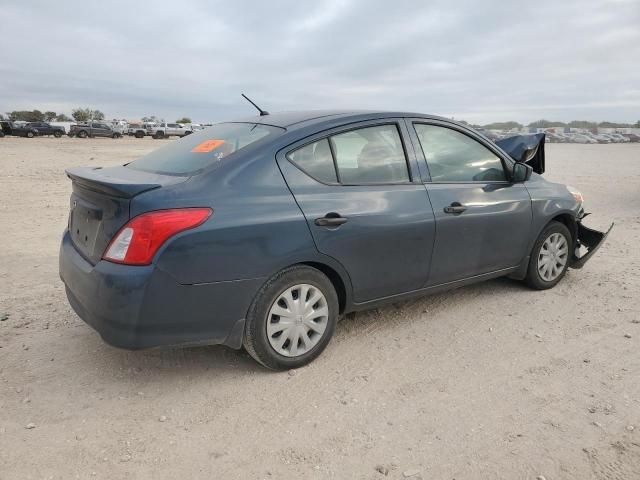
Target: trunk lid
{"type": "Point", "coordinates": [100, 204]}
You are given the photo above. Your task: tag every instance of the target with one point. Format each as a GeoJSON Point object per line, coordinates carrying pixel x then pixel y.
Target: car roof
{"type": "Point", "coordinates": [306, 118]}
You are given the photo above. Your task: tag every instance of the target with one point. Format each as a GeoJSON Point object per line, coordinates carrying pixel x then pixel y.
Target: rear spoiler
{"type": "Point", "coordinates": [115, 181]}
{"type": "Point", "coordinates": [527, 149]}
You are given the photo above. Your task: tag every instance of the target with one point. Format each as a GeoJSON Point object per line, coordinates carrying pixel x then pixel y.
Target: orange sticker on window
{"type": "Point", "coordinates": [207, 146]}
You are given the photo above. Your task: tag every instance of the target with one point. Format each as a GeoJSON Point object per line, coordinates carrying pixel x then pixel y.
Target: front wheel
{"type": "Point", "coordinates": [57, 134]}
{"type": "Point", "coordinates": [116, 135]}
{"type": "Point", "coordinates": [82, 134]}
{"type": "Point", "coordinates": [550, 257]}
{"type": "Point", "coordinates": [292, 318]}
{"type": "Point", "coordinates": [30, 135]}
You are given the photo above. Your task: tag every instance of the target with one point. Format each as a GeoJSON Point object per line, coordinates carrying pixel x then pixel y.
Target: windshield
{"type": "Point", "coordinates": [197, 151]}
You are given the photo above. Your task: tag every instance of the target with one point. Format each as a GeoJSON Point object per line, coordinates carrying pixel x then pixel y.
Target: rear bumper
{"type": "Point", "coordinates": [592, 240]}
{"type": "Point", "coordinates": [143, 307]}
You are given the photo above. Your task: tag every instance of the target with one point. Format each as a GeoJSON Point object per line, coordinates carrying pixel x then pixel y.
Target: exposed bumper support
{"type": "Point", "coordinates": [592, 239]}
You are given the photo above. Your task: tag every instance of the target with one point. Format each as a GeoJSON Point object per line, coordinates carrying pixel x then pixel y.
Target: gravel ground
{"type": "Point", "coordinates": [488, 381]}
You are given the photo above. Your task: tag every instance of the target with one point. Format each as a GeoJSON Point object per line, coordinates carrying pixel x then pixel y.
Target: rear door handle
{"type": "Point", "coordinates": [455, 207]}
{"type": "Point", "coordinates": [330, 220]}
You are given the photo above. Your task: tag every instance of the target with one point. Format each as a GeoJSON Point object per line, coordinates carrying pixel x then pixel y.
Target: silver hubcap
{"type": "Point", "coordinates": [297, 320]}
{"type": "Point", "coordinates": [553, 257]}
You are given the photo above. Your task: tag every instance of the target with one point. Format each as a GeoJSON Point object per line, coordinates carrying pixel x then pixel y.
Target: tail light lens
{"type": "Point", "coordinates": [138, 241]}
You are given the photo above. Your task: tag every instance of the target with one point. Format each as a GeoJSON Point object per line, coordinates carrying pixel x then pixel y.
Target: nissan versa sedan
{"type": "Point", "coordinates": [261, 233]}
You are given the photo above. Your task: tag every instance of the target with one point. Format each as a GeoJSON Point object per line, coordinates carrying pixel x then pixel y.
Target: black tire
{"type": "Point", "coordinates": [139, 134]}
{"type": "Point", "coordinates": [70, 135]}
{"type": "Point", "coordinates": [158, 135]}
{"type": "Point", "coordinates": [116, 135]}
{"type": "Point", "coordinates": [30, 135]}
{"type": "Point", "coordinates": [533, 278]}
{"type": "Point", "coordinates": [82, 134]}
{"type": "Point", "coordinates": [57, 134]}
{"type": "Point", "coordinates": [255, 333]}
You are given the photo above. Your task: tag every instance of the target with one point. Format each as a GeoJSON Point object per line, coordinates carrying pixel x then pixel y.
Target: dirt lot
{"type": "Point", "coordinates": [489, 381]}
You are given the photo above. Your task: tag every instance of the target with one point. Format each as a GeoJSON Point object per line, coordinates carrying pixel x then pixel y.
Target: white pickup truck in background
{"type": "Point", "coordinates": [165, 130]}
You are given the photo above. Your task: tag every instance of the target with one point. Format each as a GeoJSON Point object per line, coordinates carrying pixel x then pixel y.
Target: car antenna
{"type": "Point", "coordinates": [262, 112]}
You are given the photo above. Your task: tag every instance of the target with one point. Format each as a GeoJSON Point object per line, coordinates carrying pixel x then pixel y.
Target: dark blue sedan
{"type": "Point", "coordinates": [263, 232]}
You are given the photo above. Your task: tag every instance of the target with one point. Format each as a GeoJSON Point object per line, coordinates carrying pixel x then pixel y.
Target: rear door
{"type": "Point", "coordinates": [101, 130]}
{"type": "Point", "coordinates": [483, 220]}
{"type": "Point", "coordinates": [44, 129]}
{"type": "Point", "coordinates": [360, 191]}
{"type": "Point", "coordinates": [173, 129]}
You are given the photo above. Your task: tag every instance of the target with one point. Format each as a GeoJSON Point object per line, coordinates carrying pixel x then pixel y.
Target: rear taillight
{"type": "Point", "coordinates": [138, 241]}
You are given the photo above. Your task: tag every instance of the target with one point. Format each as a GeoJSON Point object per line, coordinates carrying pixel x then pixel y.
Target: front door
{"type": "Point", "coordinates": [361, 194]}
{"type": "Point", "coordinates": [483, 220]}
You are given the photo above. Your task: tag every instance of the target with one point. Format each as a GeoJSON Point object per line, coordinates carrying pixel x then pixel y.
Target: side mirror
{"type": "Point", "coordinates": [521, 172]}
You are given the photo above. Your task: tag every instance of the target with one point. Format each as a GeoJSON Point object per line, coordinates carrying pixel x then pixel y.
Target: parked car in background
{"type": "Point", "coordinates": [619, 137]}
{"type": "Point", "coordinates": [139, 130]}
{"type": "Point", "coordinates": [633, 138]}
{"type": "Point", "coordinates": [45, 128]}
{"type": "Point", "coordinates": [18, 129]}
{"type": "Point", "coordinates": [93, 129]}
{"type": "Point", "coordinates": [166, 130]}
{"type": "Point", "coordinates": [5, 127]}
{"type": "Point", "coordinates": [581, 138]}
{"type": "Point", "coordinates": [555, 138]}
{"type": "Point", "coordinates": [262, 232]}
{"type": "Point", "coordinates": [194, 127]}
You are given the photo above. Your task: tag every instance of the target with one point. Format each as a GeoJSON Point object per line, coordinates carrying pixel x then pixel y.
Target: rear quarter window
{"type": "Point", "coordinates": [198, 151]}
{"type": "Point", "coordinates": [316, 161]}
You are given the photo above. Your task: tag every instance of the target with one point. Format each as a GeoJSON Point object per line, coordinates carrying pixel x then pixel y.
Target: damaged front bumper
{"type": "Point", "coordinates": [591, 240]}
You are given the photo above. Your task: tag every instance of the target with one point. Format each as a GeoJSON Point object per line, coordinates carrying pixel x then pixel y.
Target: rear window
{"type": "Point", "coordinates": [195, 152]}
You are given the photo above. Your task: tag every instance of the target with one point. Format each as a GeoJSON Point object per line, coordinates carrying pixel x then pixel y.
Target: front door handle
{"type": "Point", "coordinates": [330, 220]}
{"type": "Point", "coordinates": [455, 207]}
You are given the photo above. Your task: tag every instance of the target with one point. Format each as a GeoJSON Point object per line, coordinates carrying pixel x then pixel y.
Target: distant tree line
{"type": "Point", "coordinates": [78, 114]}
{"type": "Point", "coordinates": [36, 116]}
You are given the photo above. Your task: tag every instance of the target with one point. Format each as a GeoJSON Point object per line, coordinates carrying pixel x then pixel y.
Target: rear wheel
{"type": "Point", "coordinates": [57, 134]}
{"type": "Point", "coordinates": [158, 135]}
{"type": "Point", "coordinates": [30, 135]}
{"type": "Point", "coordinates": [116, 135]}
{"type": "Point", "coordinates": [83, 134]}
{"type": "Point", "coordinates": [550, 257]}
{"type": "Point", "coordinates": [292, 318]}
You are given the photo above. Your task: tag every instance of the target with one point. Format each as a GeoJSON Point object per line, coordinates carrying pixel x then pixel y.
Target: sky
{"type": "Point", "coordinates": [477, 61]}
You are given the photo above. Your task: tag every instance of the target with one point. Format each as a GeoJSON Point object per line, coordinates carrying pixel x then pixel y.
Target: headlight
{"type": "Point", "coordinates": [576, 194]}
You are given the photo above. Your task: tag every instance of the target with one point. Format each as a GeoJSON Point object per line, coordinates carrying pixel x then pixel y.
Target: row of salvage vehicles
{"type": "Point", "coordinates": [162, 129]}
{"type": "Point", "coordinates": [40, 129]}
{"type": "Point", "coordinates": [96, 129]}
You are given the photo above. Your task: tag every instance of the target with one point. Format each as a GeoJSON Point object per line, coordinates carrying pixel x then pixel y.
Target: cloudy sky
{"type": "Point", "coordinates": [479, 61]}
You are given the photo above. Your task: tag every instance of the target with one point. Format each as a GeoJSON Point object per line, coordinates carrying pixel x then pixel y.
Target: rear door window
{"type": "Point", "coordinates": [364, 156]}
{"type": "Point", "coordinates": [370, 155]}
{"type": "Point", "coordinates": [193, 153]}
